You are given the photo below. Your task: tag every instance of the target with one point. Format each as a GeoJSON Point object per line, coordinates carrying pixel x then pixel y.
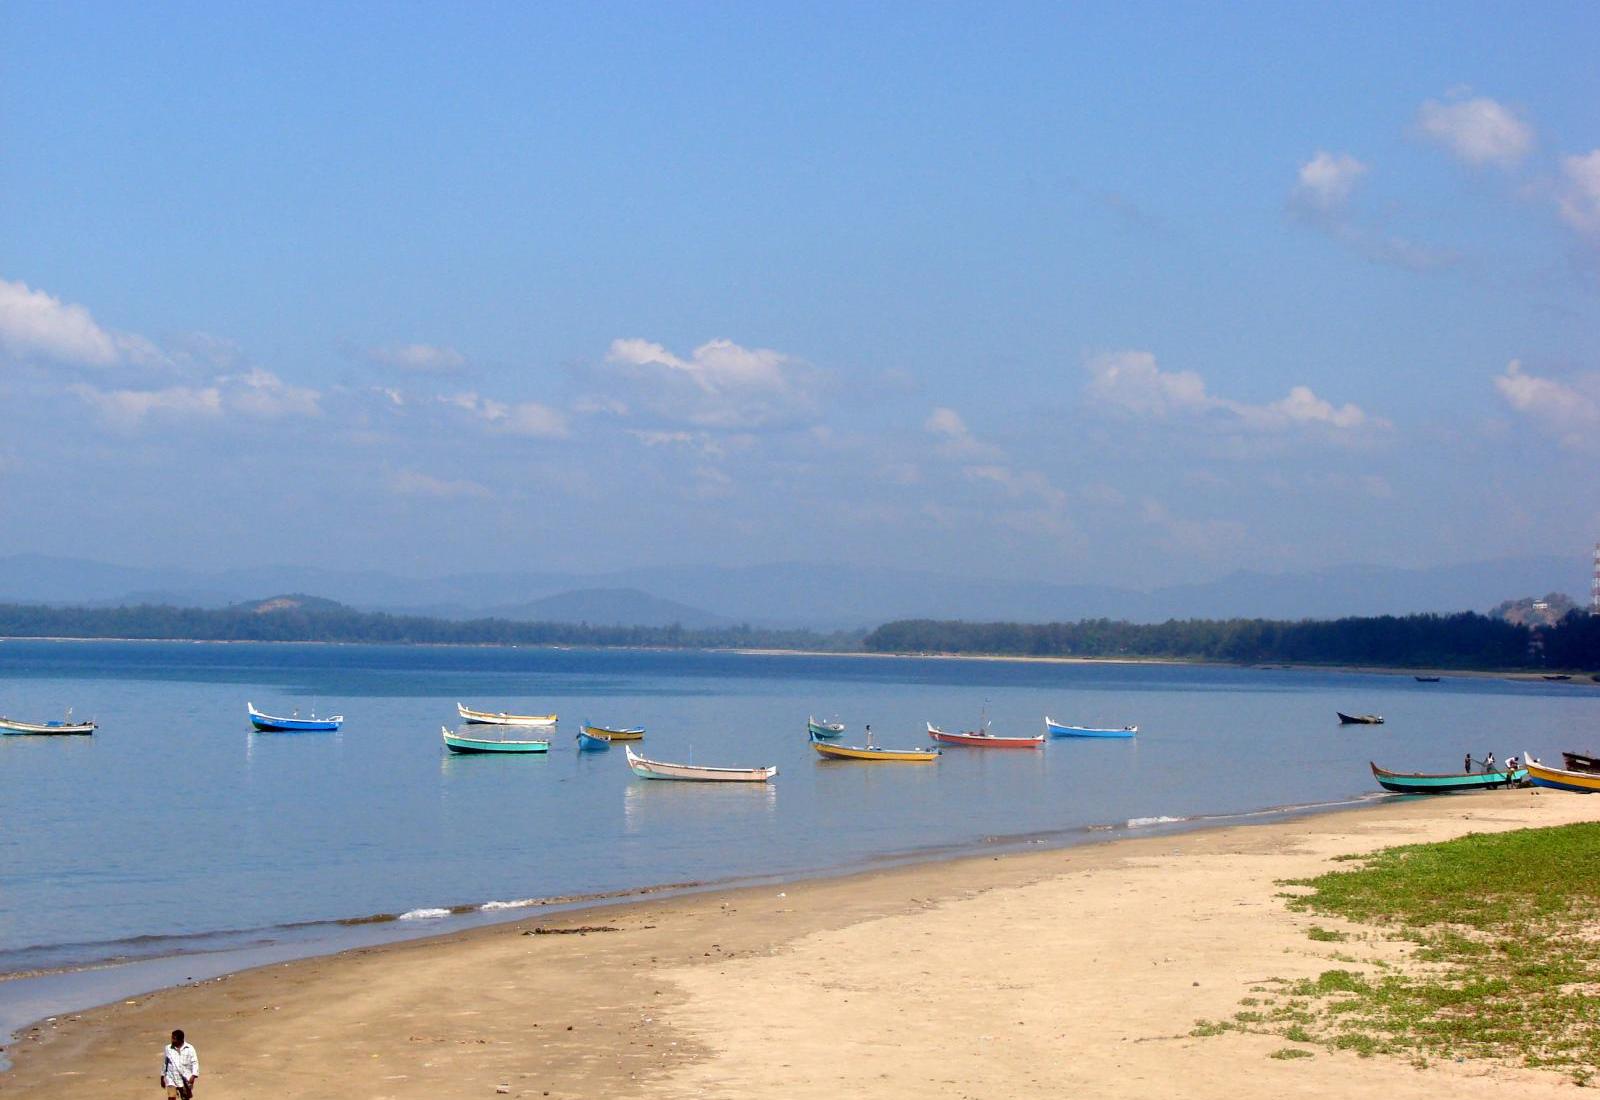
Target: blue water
{"type": "Point", "coordinates": [176, 828]}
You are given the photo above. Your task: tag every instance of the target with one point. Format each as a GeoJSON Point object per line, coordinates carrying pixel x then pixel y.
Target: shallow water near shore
{"type": "Point", "coordinates": [178, 831]}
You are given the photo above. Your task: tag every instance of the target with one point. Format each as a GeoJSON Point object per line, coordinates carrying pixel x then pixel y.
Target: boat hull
{"type": "Point", "coordinates": [1359, 719]}
{"type": "Point", "coordinates": [1056, 729]}
{"type": "Point", "coordinates": [1581, 762]}
{"type": "Point", "coordinates": [500, 718]}
{"type": "Point", "coordinates": [826, 732]}
{"type": "Point", "coordinates": [984, 740]}
{"type": "Point", "coordinates": [488, 746]}
{"type": "Point", "coordinates": [271, 723]}
{"type": "Point", "coordinates": [874, 755]}
{"type": "Point", "coordinates": [626, 733]}
{"type": "Point", "coordinates": [660, 769]}
{"type": "Point", "coordinates": [1417, 783]}
{"type": "Point", "coordinates": [1561, 780]}
{"type": "Point", "coordinates": [593, 740]}
{"type": "Point", "coordinates": [10, 727]}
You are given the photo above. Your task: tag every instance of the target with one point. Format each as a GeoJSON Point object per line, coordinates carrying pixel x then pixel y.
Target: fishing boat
{"type": "Point", "coordinates": [873, 753]}
{"type": "Point", "coordinates": [1359, 719]}
{"type": "Point", "coordinates": [455, 742]}
{"type": "Point", "coordinates": [501, 718]}
{"type": "Point", "coordinates": [268, 723]}
{"type": "Point", "coordinates": [1057, 729]}
{"type": "Point", "coordinates": [824, 729]}
{"type": "Point", "coordinates": [1420, 783]}
{"type": "Point", "coordinates": [660, 769]}
{"type": "Point", "coordinates": [1557, 676]}
{"type": "Point", "coordinates": [983, 739]}
{"type": "Point", "coordinates": [1426, 679]}
{"type": "Point", "coordinates": [615, 733]}
{"type": "Point", "coordinates": [593, 739]}
{"type": "Point", "coordinates": [1581, 762]}
{"type": "Point", "coordinates": [11, 727]}
{"type": "Point", "coordinates": [1562, 780]}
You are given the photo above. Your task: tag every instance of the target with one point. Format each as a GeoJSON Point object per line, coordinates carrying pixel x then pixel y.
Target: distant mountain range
{"type": "Point", "coordinates": [823, 597]}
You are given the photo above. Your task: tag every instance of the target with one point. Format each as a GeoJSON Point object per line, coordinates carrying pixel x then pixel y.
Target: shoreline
{"type": "Point", "coordinates": [703, 990]}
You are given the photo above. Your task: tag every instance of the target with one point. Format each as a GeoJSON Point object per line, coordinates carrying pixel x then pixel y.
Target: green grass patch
{"type": "Point", "coordinates": [1287, 1054]}
{"type": "Point", "coordinates": [1507, 964]}
{"type": "Point", "coordinates": [1326, 935]}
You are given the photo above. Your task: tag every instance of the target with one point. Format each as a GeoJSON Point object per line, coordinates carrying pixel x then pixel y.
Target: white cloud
{"type": "Point", "coordinates": [417, 484]}
{"type": "Point", "coordinates": [1580, 197]}
{"type": "Point", "coordinates": [1326, 182]}
{"type": "Point", "coordinates": [1478, 131]}
{"type": "Point", "coordinates": [416, 358]}
{"type": "Point", "coordinates": [127, 408]}
{"type": "Point", "coordinates": [1131, 382]}
{"type": "Point", "coordinates": [720, 385]}
{"type": "Point", "coordinates": [263, 394]}
{"type": "Point", "coordinates": [1570, 411]}
{"type": "Point", "coordinates": [527, 418]}
{"type": "Point", "coordinates": [35, 323]}
{"type": "Point", "coordinates": [955, 439]}
{"type": "Point", "coordinates": [1020, 484]}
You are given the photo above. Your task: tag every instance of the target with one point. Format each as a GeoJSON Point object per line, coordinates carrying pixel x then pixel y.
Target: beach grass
{"type": "Point", "coordinates": [1506, 965]}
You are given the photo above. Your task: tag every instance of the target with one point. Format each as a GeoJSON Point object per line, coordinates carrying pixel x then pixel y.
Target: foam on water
{"type": "Point", "coordinates": [424, 914]}
{"type": "Point", "coordinates": [1141, 822]}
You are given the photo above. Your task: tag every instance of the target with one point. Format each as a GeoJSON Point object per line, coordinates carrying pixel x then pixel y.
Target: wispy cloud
{"type": "Point", "coordinates": [719, 385]}
{"type": "Point", "coordinates": [955, 438]}
{"type": "Point", "coordinates": [525, 418]}
{"type": "Point", "coordinates": [1476, 130]}
{"type": "Point", "coordinates": [412, 358]}
{"type": "Point", "coordinates": [1132, 383]}
{"type": "Point", "coordinates": [1569, 410]}
{"type": "Point", "coordinates": [256, 394]}
{"type": "Point", "coordinates": [1323, 198]}
{"type": "Point", "coordinates": [1579, 200]}
{"type": "Point", "coordinates": [414, 483]}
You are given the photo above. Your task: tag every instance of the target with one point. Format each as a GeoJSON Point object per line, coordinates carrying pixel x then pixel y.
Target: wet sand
{"type": "Point", "coordinates": [1077, 971]}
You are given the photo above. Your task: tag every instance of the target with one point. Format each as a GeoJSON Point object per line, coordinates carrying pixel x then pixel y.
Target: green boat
{"type": "Point", "coordinates": [457, 743]}
{"type": "Point", "coordinates": [1417, 783]}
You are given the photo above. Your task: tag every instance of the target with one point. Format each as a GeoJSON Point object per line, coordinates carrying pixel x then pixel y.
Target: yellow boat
{"type": "Point", "coordinates": [873, 754]}
{"type": "Point", "coordinates": [606, 733]}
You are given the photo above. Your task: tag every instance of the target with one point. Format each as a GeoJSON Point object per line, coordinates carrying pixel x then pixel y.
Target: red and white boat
{"type": "Point", "coordinates": [983, 739]}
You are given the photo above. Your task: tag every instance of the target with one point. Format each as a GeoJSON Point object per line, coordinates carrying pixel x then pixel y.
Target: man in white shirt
{"type": "Point", "coordinates": [180, 1068]}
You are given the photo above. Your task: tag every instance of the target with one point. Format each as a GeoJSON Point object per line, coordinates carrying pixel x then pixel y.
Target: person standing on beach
{"type": "Point", "coordinates": [180, 1068]}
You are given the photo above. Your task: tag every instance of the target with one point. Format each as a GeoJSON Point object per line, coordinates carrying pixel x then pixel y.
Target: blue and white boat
{"type": "Point", "coordinates": [268, 723]}
{"type": "Point", "coordinates": [593, 738]}
{"type": "Point", "coordinates": [1057, 729]}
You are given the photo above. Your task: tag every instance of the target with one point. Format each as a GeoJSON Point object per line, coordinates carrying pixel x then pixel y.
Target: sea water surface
{"type": "Point", "coordinates": [177, 830]}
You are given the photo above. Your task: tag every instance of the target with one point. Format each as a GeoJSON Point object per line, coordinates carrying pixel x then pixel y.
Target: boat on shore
{"type": "Point", "coordinates": [983, 739]}
{"type": "Point", "coordinates": [1557, 677]}
{"type": "Point", "coordinates": [12, 727]}
{"type": "Point", "coordinates": [661, 769]}
{"type": "Point", "coordinates": [1561, 779]}
{"type": "Point", "coordinates": [1421, 783]}
{"type": "Point", "coordinates": [1581, 762]}
{"type": "Point", "coordinates": [614, 733]}
{"type": "Point", "coordinates": [1059, 729]}
{"type": "Point", "coordinates": [1359, 719]}
{"type": "Point", "coordinates": [456, 742]}
{"type": "Point", "coordinates": [593, 739]}
{"type": "Point", "coordinates": [875, 754]}
{"type": "Point", "coordinates": [1426, 679]}
{"type": "Point", "coordinates": [501, 718]}
{"type": "Point", "coordinates": [270, 723]}
{"type": "Point", "coordinates": [827, 730]}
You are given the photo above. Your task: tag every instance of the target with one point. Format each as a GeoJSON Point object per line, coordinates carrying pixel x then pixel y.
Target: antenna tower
{"type": "Point", "coordinates": [1594, 585]}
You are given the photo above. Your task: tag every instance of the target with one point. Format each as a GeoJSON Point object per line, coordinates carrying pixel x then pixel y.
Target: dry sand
{"type": "Point", "coordinates": [1074, 972]}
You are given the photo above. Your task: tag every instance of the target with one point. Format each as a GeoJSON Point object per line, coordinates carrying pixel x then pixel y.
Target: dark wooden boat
{"type": "Point", "coordinates": [1557, 676]}
{"type": "Point", "coordinates": [1581, 762]}
{"type": "Point", "coordinates": [1359, 719]}
{"type": "Point", "coordinates": [1419, 783]}
{"type": "Point", "coordinates": [1426, 679]}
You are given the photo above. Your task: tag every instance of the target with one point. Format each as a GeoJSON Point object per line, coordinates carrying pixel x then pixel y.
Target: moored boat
{"type": "Point", "coordinates": [1426, 679]}
{"type": "Point", "coordinates": [501, 718]}
{"type": "Point", "coordinates": [1557, 677]}
{"type": "Point", "coordinates": [1359, 719]}
{"type": "Point", "coordinates": [593, 739]}
{"type": "Point", "coordinates": [873, 753]}
{"type": "Point", "coordinates": [1058, 729]}
{"type": "Point", "coordinates": [1560, 779]}
{"type": "Point", "coordinates": [1581, 762]}
{"type": "Point", "coordinates": [456, 742]}
{"type": "Point", "coordinates": [1420, 783]}
{"type": "Point", "coordinates": [828, 730]}
{"type": "Point", "coordinates": [984, 739]}
{"type": "Point", "coordinates": [615, 733]}
{"type": "Point", "coordinates": [269, 723]}
{"type": "Point", "coordinates": [66, 727]}
{"type": "Point", "coordinates": [661, 769]}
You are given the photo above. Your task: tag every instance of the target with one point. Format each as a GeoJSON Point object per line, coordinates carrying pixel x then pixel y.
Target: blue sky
{"type": "Point", "coordinates": [1138, 294]}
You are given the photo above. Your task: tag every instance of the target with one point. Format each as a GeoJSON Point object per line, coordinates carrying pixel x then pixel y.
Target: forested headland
{"type": "Point", "coordinates": [1466, 641]}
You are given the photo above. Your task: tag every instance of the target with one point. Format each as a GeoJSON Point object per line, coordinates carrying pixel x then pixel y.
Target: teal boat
{"type": "Point", "coordinates": [1418, 783]}
{"type": "Point", "coordinates": [457, 743]}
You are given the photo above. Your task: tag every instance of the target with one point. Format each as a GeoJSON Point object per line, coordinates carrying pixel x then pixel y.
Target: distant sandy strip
{"type": "Point", "coordinates": [1070, 973]}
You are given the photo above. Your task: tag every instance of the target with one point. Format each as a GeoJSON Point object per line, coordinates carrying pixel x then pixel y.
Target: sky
{"type": "Point", "coordinates": [1135, 294]}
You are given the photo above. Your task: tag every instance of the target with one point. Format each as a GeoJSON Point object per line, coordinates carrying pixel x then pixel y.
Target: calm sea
{"type": "Point", "coordinates": [177, 830]}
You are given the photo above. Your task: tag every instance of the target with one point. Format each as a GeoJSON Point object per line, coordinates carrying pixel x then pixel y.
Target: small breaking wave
{"type": "Point", "coordinates": [520, 903]}
{"type": "Point", "coordinates": [1142, 822]}
{"type": "Point", "coordinates": [423, 914]}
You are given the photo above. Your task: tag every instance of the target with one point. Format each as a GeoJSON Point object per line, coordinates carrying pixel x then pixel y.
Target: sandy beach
{"type": "Point", "coordinates": [1076, 971]}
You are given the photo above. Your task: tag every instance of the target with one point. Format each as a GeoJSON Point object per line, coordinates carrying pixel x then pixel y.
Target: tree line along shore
{"type": "Point", "coordinates": [1466, 640]}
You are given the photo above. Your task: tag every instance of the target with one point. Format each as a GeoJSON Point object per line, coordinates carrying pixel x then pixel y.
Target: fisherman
{"type": "Point", "coordinates": [180, 1068]}
{"type": "Point", "coordinates": [1466, 765]}
{"type": "Point", "coordinates": [1488, 763]}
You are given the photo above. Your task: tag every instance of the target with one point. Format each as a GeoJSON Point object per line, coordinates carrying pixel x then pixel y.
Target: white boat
{"type": "Point", "coordinates": [501, 718]}
{"type": "Point", "coordinates": [659, 769]}
{"type": "Point", "coordinates": [12, 726]}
